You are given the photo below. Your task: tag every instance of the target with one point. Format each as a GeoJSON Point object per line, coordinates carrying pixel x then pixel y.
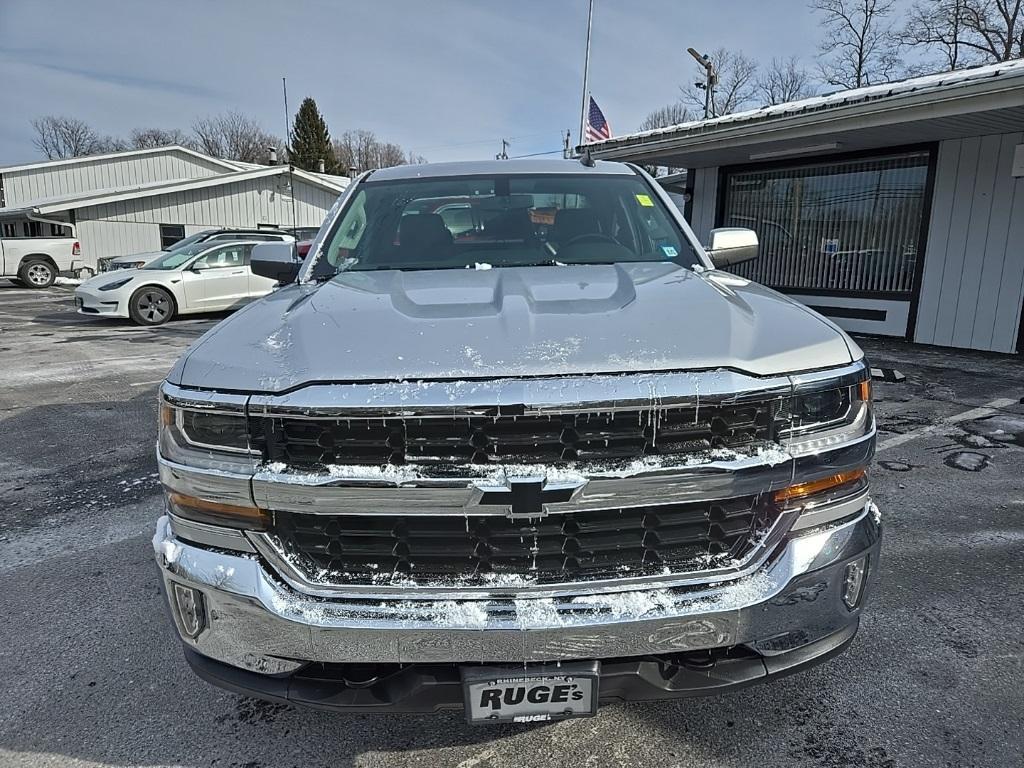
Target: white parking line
{"type": "Point", "coordinates": [974, 413]}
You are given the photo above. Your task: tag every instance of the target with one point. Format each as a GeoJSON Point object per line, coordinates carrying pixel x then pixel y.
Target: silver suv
{"type": "Point", "coordinates": [509, 440]}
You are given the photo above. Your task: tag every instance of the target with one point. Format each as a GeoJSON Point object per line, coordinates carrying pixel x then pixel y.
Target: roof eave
{"type": "Point", "coordinates": [986, 94]}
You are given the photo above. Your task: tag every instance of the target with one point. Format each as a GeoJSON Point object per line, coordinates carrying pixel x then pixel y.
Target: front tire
{"type": "Point", "coordinates": [37, 273]}
{"type": "Point", "coordinates": [151, 305]}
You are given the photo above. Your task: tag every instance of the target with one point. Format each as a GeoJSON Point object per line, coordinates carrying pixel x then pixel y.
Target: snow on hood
{"type": "Point", "coordinates": [502, 322]}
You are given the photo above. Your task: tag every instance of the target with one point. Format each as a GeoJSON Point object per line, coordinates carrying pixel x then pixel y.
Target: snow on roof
{"type": "Point", "coordinates": [940, 82]}
{"type": "Point", "coordinates": [102, 196]}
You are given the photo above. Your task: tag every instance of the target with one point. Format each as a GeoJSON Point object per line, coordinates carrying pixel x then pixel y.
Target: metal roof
{"type": "Point", "coordinates": [494, 167]}
{"type": "Point", "coordinates": [43, 206]}
{"type": "Point", "coordinates": [127, 154]}
{"type": "Point", "coordinates": [884, 101]}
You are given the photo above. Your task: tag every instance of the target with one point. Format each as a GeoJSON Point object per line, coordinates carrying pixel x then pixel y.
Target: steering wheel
{"type": "Point", "coordinates": [591, 237]}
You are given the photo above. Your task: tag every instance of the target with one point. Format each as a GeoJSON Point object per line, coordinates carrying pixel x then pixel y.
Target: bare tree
{"type": "Point", "coordinates": [737, 84]}
{"type": "Point", "coordinates": [63, 137]}
{"type": "Point", "coordinates": [937, 25]}
{"type": "Point", "coordinates": [234, 136]}
{"type": "Point", "coordinates": [670, 114]}
{"type": "Point", "coordinates": [784, 80]}
{"type": "Point", "coordinates": [967, 32]}
{"type": "Point", "coordinates": [149, 138]}
{"type": "Point", "coordinates": [859, 47]}
{"type": "Point", "coordinates": [363, 150]}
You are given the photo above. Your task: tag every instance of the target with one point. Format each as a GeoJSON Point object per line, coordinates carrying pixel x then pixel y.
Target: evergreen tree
{"type": "Point", "coordinates": [311, 142]}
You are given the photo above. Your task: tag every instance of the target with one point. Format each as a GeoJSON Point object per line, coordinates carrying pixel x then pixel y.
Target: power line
{"type": "Point", "coordinates": [537, 154]}
{"type": "Point", "coordinates": [481, 141]}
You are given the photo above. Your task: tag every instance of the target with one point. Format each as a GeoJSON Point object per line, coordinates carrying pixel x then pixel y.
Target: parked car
{"type": "Point", "coordinates": [35, 262]}
{"type": "Point", "coordinates": [201, 277]}
{"type": "Point", "coordinates": [139, 260]}
{"type": "Point", "coordinates": [518, 474]}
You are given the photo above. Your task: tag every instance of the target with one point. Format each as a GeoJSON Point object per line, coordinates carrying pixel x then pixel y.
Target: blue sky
{"type": "Point", "coordinates": [445, 78]}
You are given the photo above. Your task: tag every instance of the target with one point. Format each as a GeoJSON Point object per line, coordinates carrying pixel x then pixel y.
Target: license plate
{"type": "Point", "coordinates": [530, 694]}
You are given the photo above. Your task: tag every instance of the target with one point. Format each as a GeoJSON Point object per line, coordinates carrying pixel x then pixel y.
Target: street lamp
{"type": "Point", "coordinates": [710, 80]}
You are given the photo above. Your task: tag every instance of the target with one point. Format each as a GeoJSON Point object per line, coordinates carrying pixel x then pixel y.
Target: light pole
{"type": "Point", "coordinates": [584, 107]}
{"type": "Point", "coordinates": [710, 81]}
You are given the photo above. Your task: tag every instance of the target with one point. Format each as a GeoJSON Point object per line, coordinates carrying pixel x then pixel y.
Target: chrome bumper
{"type": "Point", "coordinates": [256, 622]}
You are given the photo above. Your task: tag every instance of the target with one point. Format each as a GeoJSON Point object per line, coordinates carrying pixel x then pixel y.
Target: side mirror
{"type": "Point", "coordinates": [732, 245]}
{"type": "Point", "coordinates": [199, 265]}
{"type": "Point", "coordinates": [276, 260]}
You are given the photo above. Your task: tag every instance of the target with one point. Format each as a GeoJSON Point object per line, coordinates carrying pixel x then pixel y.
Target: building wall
{"type": "Point", "coordinates": [705, 199]}
{"type": "Point", "coordinates": [973, 281]}
{"type": "Point", "coordinates": [132, 226]}
{"type": "Point", "coordinates": [57, 180]}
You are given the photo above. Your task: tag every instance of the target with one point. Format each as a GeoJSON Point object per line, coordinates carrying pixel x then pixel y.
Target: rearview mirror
{"type": "Point", "coordinates": [276, 260]}
{"type": "Point", "coordinates": [732, 245]}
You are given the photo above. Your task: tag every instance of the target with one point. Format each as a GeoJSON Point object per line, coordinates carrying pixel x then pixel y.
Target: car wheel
{"type": "Point", "coordinates": [151, 305]}
{"type": "Point", "coordinates": [37, 273]}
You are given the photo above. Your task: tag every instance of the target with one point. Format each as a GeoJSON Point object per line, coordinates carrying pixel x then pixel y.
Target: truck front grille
{"type": "Point", "coordinates": [505, 436]}
{"type": "Point", "coordinates": [581, 545]}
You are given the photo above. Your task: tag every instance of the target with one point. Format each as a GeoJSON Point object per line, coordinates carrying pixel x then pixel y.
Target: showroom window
{"type": "Point", "coordinates": [837, 226]}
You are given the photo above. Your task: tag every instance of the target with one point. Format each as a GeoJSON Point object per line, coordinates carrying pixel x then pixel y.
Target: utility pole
{"type": "Point", "coordinates": [567, 145]}
{"type": "Point", "coordinates": [503, 155]}
{"type": "Point", "coordinates": [710, 81]}
{"type": "Point", "coordinates": [586, 73]}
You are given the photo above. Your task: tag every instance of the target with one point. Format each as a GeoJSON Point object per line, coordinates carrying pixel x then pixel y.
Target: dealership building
{"type": "Point", "coordinates": [895, 209]}
{"type": "Point", "coordinates": [146, 199]}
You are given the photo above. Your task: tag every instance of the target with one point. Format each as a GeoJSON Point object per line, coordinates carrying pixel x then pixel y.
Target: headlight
{"type": "Point", "coordinates": [824, 419]}
{"type": "Point", "coordinates": [115, 285]}
{"type": "Point", "coordinates": [200, 430]}
{"type": "Point", "coordinates": [207, 461]}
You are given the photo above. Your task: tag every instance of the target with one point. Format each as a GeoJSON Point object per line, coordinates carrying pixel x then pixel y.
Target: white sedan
{"type": "Point", "coordinates": [202, 277]}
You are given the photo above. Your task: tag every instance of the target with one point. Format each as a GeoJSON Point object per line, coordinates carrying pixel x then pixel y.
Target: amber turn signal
{"type": "Point", "coordinates": [166, 415]}
{"type": "Point", "coordinates": [215, 513]}
{"type": "Point", "coordinates": [800, 490]}
{"type": "Point", "coordinates": [864, 390]}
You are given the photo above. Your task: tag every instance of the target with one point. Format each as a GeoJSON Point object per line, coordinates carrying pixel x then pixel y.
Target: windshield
{"type": "Point", "coordinates": [178, 257]}
{"type": "Point", "coordinates": [502, 221]}
{"type": "Point", "coordinates": [188, 240]}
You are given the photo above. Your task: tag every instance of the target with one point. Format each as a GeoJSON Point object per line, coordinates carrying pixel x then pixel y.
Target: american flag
{"type": "Point", "coordinates": [597, 128]}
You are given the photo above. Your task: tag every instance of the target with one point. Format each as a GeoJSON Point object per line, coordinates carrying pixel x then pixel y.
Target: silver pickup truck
{"type": "Point", "coordinates": [509, 440]}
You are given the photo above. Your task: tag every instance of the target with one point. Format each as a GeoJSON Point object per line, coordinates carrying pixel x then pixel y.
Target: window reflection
{"type": "Point", "coordinates": [838, 227]}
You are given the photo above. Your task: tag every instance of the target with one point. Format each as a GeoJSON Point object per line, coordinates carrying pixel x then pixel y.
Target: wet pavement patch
{"type": "Point", "coordinates": [969, 461]}
{"type": "Point", "coordinates": [999, 427]}
{"type": "Point", "coordinates": [969, 440]}
{"type": "Point", "coordinates": [896, 466]}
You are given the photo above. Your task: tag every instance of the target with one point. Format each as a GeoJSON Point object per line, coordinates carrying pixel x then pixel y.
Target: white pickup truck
{"type": "Point", "coordinates": [35, 262]}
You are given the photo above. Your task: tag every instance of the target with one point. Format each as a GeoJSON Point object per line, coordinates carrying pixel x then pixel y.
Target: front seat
{"type": "Point", "coordinates": [571, 223]}
{"type": "Point", "coordinates": [423, 237]}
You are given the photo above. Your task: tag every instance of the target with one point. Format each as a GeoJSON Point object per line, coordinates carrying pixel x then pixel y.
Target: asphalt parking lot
{"type": "Point", "coordinates": [90, 674]}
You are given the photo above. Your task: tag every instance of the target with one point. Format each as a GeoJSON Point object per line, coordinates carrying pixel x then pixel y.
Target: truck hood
{"type": "Point", "coordinates": [523, 321]}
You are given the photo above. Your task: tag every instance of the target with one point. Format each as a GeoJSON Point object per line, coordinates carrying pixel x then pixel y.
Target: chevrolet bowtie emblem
{"type": "Point", "coordinates": [527, 497]}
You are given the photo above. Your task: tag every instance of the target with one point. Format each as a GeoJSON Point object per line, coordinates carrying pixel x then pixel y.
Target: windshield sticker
{"type": "Point", "coordinates": [669, 251]}
{"type": "Point", "coordinates": [645, 201]}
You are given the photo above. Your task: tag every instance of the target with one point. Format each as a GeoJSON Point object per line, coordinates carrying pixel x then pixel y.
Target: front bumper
{"type": "Point", "coordinates": [100, 303]}
{"type": "Point", "coordinates": [787, 614]}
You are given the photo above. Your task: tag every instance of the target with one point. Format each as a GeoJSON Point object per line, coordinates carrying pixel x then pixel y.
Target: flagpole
{"type": "Point", "coordinates": [586, 73]}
